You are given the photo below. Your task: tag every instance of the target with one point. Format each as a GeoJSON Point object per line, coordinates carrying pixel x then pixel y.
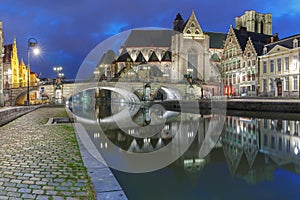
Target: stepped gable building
{"type": "Point", "coordinates": [279, 71]}
{"type": "Point", "coordinates": [171, 54]}
{"type": "Point", "coordinates": [239, 62]}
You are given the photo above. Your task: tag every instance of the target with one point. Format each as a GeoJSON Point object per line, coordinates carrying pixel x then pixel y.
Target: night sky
{"type": "Point", "coordinates": [68, 30]}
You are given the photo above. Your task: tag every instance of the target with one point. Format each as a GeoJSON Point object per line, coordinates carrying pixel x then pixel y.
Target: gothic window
{"type": "Point", "coordinates": [188, 32]}
{"type": "Point", "coordinates": [167, 70]}
{"type": "Point", "coordinates": [192, 25]}
{"type": "Point", "coordinates": [197, 32]}
{"type": "Point", "coordinates": [192, 62]}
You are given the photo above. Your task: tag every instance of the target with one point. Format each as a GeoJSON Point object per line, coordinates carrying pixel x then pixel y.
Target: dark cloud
{"type": "Point", "coordinates": [69, 30]}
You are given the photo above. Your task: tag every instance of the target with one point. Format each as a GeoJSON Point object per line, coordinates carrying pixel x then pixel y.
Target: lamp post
{"type": "Point", "coordinates": [58, 89]}
{"type": "Point", "coordinates": [31, 48]}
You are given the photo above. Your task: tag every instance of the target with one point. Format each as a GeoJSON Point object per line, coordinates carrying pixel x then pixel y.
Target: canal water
{"type": "Point", "coordinates": [250, 157]}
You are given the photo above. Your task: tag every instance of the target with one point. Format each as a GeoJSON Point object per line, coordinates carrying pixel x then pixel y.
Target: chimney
{"type": "Point", "coordinates": [243, 30]}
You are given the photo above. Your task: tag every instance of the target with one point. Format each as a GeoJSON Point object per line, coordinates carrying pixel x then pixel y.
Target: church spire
{"type": "Point", "coordinates": [178, 23]}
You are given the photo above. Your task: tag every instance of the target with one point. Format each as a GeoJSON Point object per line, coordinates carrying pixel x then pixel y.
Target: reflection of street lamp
{"type": "Point", "coordinates": [32, 47]}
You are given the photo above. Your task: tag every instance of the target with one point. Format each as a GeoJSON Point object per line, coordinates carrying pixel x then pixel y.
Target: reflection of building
{"type": "Point", "coordinates": [280, 141]}
{"type": "Point", "coordinates": [279, 71]}
{"type": "Point", "coordinates": [241, 50]}
{"type": "Point", "coordinates": [240, 138]}
{"type": "Point", "coordinates": [254, 148]}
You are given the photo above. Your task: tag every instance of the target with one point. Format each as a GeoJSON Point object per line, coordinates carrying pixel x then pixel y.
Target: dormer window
{"type": "Point", "coordinates": [295, 43]}
{"type": "Point", "coordinates": [265, 50]}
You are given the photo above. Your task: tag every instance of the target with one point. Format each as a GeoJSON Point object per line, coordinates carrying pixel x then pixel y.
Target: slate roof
{"type": "Point", "coordinates": [216, 40]}
{"type": "Point", "coordinates": [149, 38]}
{"type": "Point", "coordinates": [258, 39]}
{"type": "Point", "coordinates": [285, 42]}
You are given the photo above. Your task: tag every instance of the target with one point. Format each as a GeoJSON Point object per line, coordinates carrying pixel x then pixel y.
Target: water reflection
{"type": "Point", "coordinates": [253, 149]}
{"type": "Point", "coordinates": [248, 150]}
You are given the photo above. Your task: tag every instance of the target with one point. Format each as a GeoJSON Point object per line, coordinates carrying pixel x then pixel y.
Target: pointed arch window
{"type": "Point", "coordinates": [192, 25]}
{"type": "Point", "coordinates": [188, 32]}
{"type": "Point", "coordinates": [197, 32]}
{"type": "Point", "coordinates": [192, 62]}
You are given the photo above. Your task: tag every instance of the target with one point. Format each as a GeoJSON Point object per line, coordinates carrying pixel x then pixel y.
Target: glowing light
{"type": "Point", "coordinates": [296, 150]}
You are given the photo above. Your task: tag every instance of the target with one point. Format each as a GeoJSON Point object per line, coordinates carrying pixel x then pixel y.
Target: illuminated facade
{"type": "Point", "coordinates": [239, 61]}
{"type": "Point", "coordinates": [255, 22]}
{"type": "Point", "coordinates": [11, 65]}
{"type": "Point", "coordinates": [170, 54]}
{"type": "Point", "coordinates": [279, 71]}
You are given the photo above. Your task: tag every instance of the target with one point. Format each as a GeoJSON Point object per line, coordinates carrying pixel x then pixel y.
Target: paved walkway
{"type": "Point", "coordinates": [39, 161]}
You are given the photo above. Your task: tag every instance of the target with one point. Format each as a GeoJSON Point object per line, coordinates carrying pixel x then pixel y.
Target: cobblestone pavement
{"type": "Point", "coordinates": [39, 161]}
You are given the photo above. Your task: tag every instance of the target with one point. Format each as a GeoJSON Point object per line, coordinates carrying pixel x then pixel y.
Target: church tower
{"type": "Point", "coordinates": [15, 64]}
{"type": "Point", "coordinates": [255, 22]}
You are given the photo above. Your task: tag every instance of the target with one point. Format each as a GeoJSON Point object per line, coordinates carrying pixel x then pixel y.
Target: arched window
{"type": "Point", "coordinates": [167, 70]}
{"type": "Point", "coordinates": [192, 62]}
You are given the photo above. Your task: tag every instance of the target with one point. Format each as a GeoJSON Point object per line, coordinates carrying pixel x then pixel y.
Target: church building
{"type": "Point", "coordinates": [170, 55]}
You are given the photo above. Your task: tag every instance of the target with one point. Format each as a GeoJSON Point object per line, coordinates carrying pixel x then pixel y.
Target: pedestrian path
{"type": "Point", "coordinates": [39, 161]}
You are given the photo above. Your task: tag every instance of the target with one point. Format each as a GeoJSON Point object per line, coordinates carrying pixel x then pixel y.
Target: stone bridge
{"type": "Point", "coordinates": [18, 95]}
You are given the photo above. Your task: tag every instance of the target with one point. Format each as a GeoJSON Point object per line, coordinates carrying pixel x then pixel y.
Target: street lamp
{"type": "Point", "coordinates": [31, 48]}
{"type": "Point", "coordinates": [57, 69]}
{"type": "Point", "coordinates": [58, 89]}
